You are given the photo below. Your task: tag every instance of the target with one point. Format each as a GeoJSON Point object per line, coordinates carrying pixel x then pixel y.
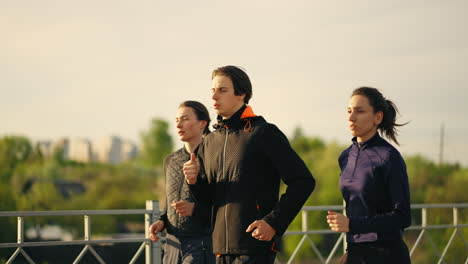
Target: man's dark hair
{"type": "Point", "coordinates": [239, 78]}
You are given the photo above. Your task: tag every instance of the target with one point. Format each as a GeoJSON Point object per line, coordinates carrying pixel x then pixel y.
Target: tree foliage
{"type": "Point", "coordinates": [13, 150]}
{"type": "Point", "coordinates": [156, 143]}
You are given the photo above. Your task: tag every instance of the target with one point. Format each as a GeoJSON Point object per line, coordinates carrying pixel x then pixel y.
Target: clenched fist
{"type": "Point", "coordinates": [183, 208]}
{"type": "Point", "coordinates": [191, 169]}
{"type": "Point", "coordinates": [261, 230]}
{"type": "Point", "coordinates": [338, 222]}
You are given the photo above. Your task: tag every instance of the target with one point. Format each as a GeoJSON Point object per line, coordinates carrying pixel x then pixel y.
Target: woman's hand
{"type": "Point", "coordinates": [338, 222]}
{"type": "Point", "coordinates": [154, 229]}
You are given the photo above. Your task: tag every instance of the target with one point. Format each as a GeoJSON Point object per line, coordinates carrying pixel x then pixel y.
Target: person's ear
{"type": "Point", "coordinates": [378, 118]}
{"type": "Point", "coordinates": [203, 124]}
{"type": "Point", "coordinates": [243, 97]}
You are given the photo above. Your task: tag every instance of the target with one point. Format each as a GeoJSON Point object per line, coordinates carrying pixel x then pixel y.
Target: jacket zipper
{"type": "Point", "coordinates": [355, 163]}
{"type": "Point", "coordinates": [225, 176]}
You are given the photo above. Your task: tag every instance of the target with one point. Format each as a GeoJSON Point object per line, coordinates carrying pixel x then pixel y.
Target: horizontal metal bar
{"type": "Point", "coordinates": [327, 231]}
{"type": "Point", "coordinates": [413, 206]}
{"type": "Point", "coordinates": [322, 208]}
{"type": "Point", "coordinates": [74, 242]}
{"type": "Point", "coordinates": [76, 212]}
{"type": "Point", "coordinates": [310, 232]}
{"type": "Point", "coordinates": [431, 206]}
{"type": "Point", "coordinates": [143, 211]}
{"type": "Point", "coordinates": [436, 227]}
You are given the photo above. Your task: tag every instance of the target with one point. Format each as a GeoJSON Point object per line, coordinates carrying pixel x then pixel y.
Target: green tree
{"type": "Point", "coordinates": [156, 143]}
{"type": "Point", "coordinates": [13, 150]}
{"type": "Point", "coordinates": [321, 159]}
{"type": "Point", "coordinates": [8, 224]}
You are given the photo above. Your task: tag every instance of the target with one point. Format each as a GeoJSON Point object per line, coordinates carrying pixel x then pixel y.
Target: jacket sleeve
{"type": "Point", "coordinates": [202, 210]}
{"type": "Point", "coordinates": [201, 190]}
{"type": "Point", "coordinates": [397, 191]}
{"type": "Point", "coordinates": [163, 216]}
{"type": "Point", "coordinates": [295, 174]}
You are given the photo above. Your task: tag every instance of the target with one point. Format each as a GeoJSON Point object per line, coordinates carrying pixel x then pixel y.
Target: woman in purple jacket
{"type": "Point", "coordinates": [374, 184]}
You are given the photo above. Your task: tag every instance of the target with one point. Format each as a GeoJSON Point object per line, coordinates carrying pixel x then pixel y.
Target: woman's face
{"type": "Point", "coordinates": [189, 128]}
{"type": "Point", "coordinates": [363, 122]}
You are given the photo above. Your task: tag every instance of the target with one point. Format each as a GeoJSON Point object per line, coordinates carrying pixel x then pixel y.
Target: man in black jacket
{"type": "Point", "coordinates": [238, 172]}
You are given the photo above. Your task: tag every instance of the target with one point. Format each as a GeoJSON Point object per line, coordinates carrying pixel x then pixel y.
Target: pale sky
{"type": "Point", "coordinates": [97, 68]}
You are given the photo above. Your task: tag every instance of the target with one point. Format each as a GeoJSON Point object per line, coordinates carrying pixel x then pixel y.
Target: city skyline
{"type": "Point", "coordinates": [93, 69]}
{"type": "Point", "coordinates": [111, 149]}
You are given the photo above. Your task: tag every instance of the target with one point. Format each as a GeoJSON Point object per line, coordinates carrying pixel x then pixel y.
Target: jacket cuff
{"type": "Point", "coordinates": [163, 218]}
{"type": "Point", "coordinates": [270, 220]}
{"type": "Point", "coordinates": [355, 226]}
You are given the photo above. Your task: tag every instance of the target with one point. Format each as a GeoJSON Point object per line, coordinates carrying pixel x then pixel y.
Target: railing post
{"type": "Point", "coordinates": [20, 236]}
{"type": "Point", "coordinates": [424, 217]}
{"type": "Point", "coordinates": [152, 249]}
{"type": "Point", "coordinates": [304, 220]}
{"type": "Point", "coordinates": [455, 216]}
{"type": "Point", "coordinates": [345, 243]}
{"type": "Point", "coordinates": [87, 228]}
{"type": "Point", "coordinates": [20, 240]}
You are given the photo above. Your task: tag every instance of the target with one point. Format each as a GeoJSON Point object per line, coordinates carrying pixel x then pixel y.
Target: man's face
{"type": "Point", "coordinates": [226, 103]}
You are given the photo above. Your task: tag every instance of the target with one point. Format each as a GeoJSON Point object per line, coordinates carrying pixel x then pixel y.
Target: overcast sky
{"type": "Point", "coordinates": [96, 68]}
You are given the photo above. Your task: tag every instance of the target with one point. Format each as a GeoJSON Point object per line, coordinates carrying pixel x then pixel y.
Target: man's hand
{"type": "Point", "coordinates": [261, 230]}
{"type": "Point", "coordinates": [338, 222]}
{"type": "Point", "coordinates": [183, 208]}
{"type": "Point", "coordinates": [191, 169]}
{"type": "Point", "coordinates": [154, 229]}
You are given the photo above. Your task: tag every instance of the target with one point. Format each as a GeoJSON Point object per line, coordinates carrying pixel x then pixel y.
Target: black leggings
{"type": "Point", "coordinates": [380, 252]}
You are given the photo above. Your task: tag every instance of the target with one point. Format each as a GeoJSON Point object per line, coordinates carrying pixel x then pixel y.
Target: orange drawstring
{"type": "Point", "coordinates": [248, 126]}
{"type": "Point", "coordinates": [273, 247]}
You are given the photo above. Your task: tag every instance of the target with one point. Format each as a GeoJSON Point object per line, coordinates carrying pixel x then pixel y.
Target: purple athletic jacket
{"type": "Point", "coordinates": [374, 184]}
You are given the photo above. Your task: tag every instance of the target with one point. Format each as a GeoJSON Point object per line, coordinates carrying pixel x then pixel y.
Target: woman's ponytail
{"type": "Point", "coordinates": [388, 126]}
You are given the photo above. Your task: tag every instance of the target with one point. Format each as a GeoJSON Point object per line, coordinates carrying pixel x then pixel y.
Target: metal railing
{"type": "Point", "coordinates": [153, 250]}
{"type": "Point", "coordinates": [424, 227]}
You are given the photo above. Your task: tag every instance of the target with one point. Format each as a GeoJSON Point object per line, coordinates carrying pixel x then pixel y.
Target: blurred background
{"type": "Point", "coordinates": [89, 91]}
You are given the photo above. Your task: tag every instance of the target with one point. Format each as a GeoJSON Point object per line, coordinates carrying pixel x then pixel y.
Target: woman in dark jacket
{"type": "Point", "coordinates": [374, 184]}
{"type": "Point", "coordinates": [186, 221]}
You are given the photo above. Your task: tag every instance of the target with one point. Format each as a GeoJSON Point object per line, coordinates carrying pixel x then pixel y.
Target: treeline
{"type": "Point", "coordinates": [30, 181]}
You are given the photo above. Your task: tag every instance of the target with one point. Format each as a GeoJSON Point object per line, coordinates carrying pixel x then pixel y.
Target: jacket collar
{"type": "Point", "coordinates": [366, 143]}
{"type": "Point", "coordinates": [236, 121]}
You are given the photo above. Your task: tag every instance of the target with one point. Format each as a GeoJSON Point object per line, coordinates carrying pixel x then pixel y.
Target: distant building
{"type": "Point", "coordinates": [128, 151]}
{"type": "Point", "coordinates": [108, 150]}
{"type": "Point", "coordinates": [80, 150]}
{"type": "Point", "coordinates": [112, 149]}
